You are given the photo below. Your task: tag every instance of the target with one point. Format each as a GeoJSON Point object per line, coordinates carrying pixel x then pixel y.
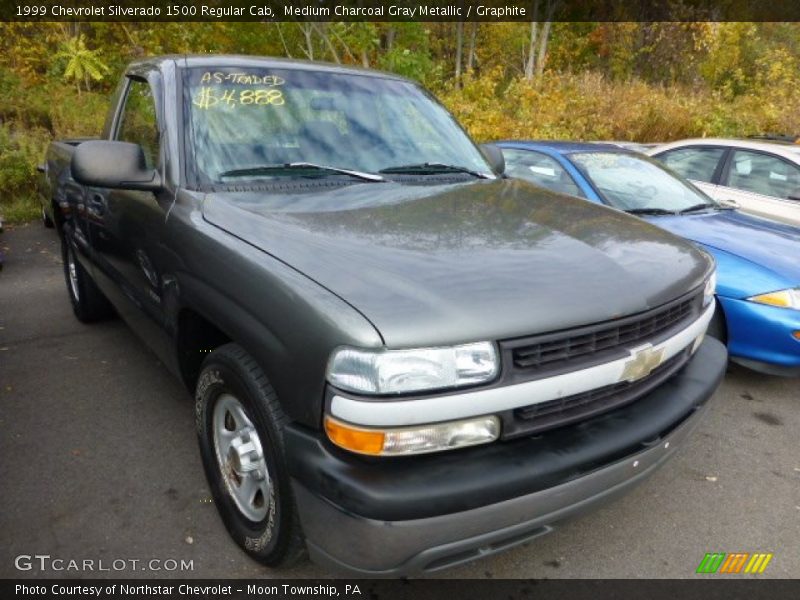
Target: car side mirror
{"type": "Point", "coordinates": [795, 195]}
{"type": "Point", "coordinates": [117, 165]}
{"type": "Point", "coordinates": [494, 156]}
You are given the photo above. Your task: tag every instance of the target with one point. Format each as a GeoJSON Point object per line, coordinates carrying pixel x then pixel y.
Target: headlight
{"type": "Point", "coordinates": [421, 439]}
{"type": "Point", "coordinates": [710, 289]}
{"type": "Point", "coordinates": [784, 298]}
{"type": "Point", "coordinates": [403, 371]}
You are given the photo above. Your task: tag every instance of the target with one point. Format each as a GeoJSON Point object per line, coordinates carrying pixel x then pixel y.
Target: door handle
{"type": "Point", "coordinates": [98, 204]}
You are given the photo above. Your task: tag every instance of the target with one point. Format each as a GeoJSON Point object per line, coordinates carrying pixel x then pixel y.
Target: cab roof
{"type": "Point", "coordinates": [247, 61]}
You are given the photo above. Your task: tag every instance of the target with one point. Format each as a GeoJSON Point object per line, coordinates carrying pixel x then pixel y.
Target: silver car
{"type": "Point", "coordinates": [762, 177]}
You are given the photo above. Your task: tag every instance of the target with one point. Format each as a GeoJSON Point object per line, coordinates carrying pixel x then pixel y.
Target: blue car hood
{"type": "Point", "coordinates": [753, 255]}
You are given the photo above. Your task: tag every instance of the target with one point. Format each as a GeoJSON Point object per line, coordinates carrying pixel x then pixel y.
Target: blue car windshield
{"type": "Point", "coordinates": [630, 182]}
{"type": "Point", "coordinates": [245, 123]}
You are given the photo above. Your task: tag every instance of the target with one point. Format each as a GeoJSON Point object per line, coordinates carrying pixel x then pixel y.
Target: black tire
{"type": "Point", "coordinates": [277, 538]}
{"type": "Point", "coordinates": [47, 221]}
{"type": "Point", "coordinates": [88, 302]}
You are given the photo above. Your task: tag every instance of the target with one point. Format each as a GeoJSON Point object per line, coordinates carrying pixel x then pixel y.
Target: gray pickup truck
{"type": "Point", "coordinates": [401, 360]}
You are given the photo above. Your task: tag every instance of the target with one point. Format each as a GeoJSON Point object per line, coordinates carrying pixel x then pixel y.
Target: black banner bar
{"type": "Point", "coordinates": [399, 10]}
{"type": "Point", "coordinates": [709, 588]}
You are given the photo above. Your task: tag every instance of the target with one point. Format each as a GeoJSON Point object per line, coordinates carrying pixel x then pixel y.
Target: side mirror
{"type": "Point", "coordinates": [119, 165]}
{"type": "Point", "coordinates": [795, 195]}
{"type": "Point", "coordinates": [494, 155]}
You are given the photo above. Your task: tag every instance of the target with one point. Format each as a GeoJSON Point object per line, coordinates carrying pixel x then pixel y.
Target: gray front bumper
{"type": "Point", "coordinates": [361, 546]}
{"type": "Point", "coordinates": [411, 545]}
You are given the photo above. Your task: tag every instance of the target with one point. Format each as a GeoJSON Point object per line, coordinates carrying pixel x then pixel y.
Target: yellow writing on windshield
{"type": "Point", "coordinates": [241, 79]}
{"type": "Point", "coordinates": [209, 97]}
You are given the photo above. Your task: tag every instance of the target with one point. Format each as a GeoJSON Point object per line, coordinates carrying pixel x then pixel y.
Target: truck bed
{"type": "Point", "coordinates": [57, 189]}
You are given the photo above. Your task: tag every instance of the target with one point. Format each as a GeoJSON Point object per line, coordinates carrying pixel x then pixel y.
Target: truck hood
{"type": "Point", "coordinates": [441, 264]}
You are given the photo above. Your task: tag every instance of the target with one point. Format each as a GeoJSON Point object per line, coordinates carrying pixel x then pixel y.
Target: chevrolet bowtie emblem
{"type": "Point", "coordinates": [643, 361]}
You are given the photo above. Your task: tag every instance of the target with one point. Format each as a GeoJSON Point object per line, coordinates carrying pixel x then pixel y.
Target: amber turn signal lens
{"type": "Point", "coordinates": [417, 439]}
{"type": "Point", "coordinates": [796, 334]}
{"type": "Point", "coordinates": [784, 298]}
{"type": "Point", "coordinates": [351, 438]}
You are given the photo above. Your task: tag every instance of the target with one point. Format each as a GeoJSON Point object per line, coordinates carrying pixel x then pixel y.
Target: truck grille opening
{"type": "Point", "coordinates": [563, 411]}
{"type": "Point", "coordinates": [549, 355]}
{"type": "Point", "coordinates": [559, 352]}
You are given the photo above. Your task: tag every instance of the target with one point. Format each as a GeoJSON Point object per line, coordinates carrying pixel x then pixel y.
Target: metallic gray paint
{"type": "Point", "coordinates": [482, 260]}
{"type": "Point", "coordinates": [291, 272]}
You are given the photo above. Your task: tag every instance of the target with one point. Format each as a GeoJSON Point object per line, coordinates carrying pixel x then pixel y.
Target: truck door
{"type": "Point", "coordinates": [127, 225]}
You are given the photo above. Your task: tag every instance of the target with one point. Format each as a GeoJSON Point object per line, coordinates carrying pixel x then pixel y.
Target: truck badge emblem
{"type": "Point", "coordinates": [643, 361]}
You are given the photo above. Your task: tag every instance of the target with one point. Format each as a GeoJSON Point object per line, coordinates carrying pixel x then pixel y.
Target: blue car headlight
{"type": "Point", "coordinates": [784, 298]}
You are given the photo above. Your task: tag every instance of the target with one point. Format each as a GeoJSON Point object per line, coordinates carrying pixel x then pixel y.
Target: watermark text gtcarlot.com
{"type": "Point", "coordinates": [46, 562]}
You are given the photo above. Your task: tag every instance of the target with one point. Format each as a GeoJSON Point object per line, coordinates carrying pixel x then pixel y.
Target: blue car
{"type": "Point", "coordinates": [758, 261]}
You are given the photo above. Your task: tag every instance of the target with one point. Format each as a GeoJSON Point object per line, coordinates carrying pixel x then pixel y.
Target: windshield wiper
{"type": "Point", "coordinates": [432, 168]}
{"type": "Point", "coordinates": [695, 208]}
{"type": "Point", "coordinates": [650, 211]}
{"type": "Point", "coordinates": [300, 165]}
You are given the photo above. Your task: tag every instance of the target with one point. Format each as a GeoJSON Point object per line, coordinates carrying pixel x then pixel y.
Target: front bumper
{"type": "Point", "coordinates": [760, 336]}
{"type": "Point", "coordinates": [407, 516]}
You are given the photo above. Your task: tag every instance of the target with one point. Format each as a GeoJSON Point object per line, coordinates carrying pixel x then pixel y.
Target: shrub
{"type": "Point", "coordinates": [20, 152]}
{"type": "Point", "coordinates": [589, 106]}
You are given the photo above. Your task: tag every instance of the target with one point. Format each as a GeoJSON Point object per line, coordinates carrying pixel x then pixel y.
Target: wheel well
{"type": "Point", "coordinates": [197, 336]}
{"type": "Point", "coordinates": [58, 217]}
{"type": "Point", "coordinates": [718, 327]}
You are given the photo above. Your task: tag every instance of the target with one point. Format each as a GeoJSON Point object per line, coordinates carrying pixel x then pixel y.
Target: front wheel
{"type": "Point", "coordinates": [240, 430]}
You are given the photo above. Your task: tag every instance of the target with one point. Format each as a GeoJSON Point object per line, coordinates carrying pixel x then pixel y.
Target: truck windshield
{"type": "Point", "coordinates": [246, 123]}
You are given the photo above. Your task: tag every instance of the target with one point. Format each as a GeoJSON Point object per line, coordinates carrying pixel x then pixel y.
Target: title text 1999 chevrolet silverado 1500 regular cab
{"type": "Point", "coordinates": [401, 360]}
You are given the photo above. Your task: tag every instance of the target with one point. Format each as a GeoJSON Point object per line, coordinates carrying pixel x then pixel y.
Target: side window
{"type": "Point", "coordinates": [138, 123]}
{"type": "Point", "coordinates": [697, 163]}
{"type": "Point", "coordinates": [541, 170]}
{"type": "Point", "coordinates": [763, 174]}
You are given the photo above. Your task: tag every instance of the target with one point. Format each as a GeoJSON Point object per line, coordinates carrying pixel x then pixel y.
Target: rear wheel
{"type": "Point", "coordinates": [240, 430]}
{"type": "Point", "coordinates": [47, 221]}
{"type": "Point", "coordinates": [88, 302]}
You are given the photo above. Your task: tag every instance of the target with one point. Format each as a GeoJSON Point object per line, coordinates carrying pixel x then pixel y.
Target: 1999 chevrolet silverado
{"type": "Point", "coordinates": [401, 360]}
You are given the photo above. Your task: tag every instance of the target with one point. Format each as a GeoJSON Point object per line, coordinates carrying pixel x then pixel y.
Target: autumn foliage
{"type": "Point", "coordinates": [625, 81]}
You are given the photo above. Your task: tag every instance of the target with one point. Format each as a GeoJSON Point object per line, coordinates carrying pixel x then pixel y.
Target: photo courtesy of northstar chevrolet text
{"type": "Point", "coordinates": [468, 291]}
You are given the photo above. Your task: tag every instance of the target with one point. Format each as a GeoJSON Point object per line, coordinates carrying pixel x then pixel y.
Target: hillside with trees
{"type": "Point", "coordinates": [626, 81]}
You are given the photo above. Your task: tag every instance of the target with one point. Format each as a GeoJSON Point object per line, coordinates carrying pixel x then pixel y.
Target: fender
{"type": "Point", "coordinates": [300, 390]}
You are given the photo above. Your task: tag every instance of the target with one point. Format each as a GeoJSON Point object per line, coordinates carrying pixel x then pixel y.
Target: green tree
{"type": "Point", "coordinates": [83, 64]}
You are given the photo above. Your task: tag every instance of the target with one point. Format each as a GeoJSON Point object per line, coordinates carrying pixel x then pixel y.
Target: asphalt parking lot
{"type": "Point", "coordinates": [98, 460]}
